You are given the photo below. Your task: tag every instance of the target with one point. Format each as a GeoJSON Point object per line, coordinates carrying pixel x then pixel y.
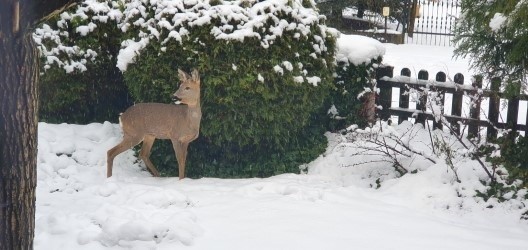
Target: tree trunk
{"type": "Point", "coordinates": [18, 140]}
{"type": "Point", "coordinates": [18, 119]}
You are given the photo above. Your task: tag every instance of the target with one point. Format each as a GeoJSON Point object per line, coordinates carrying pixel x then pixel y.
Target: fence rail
{"type": "Point", "coordinates": [386, 82]}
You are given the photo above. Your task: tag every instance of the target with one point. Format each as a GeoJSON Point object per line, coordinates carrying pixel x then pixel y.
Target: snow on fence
{"type": "Point", "coordinates": [442, 86]}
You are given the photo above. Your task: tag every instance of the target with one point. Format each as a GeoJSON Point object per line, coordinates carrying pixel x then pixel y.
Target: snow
{"type": "Point", "coordinates": [343, 200]}
{"type": "Point", "coordinates": [497, 22]}
{"type": "Point", "coordinates": [85, 29]}
{"type": "Point", "coordinates": [334, 205]}
{"type": "Point", "coordinates": [298, 79]}
{"type": "Point", "coordinates": [129, 52]}
{"type": "Point", "coordinates": [161, 21]}
{"type": "Point", "coordinates": [358, 49]}
{"type": "Point", "coordinates": [314, 80]}
{"type": "Point", "coordinates": [278, 69]}
{"type": "Point", "coordinates": [331, 207]}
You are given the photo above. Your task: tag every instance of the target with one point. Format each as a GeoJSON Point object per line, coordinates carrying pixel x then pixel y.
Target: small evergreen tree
{"type": "Point", "coordinates": [494, 35]}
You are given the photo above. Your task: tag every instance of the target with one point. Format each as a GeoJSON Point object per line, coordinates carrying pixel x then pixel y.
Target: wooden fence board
{"type": "Point", "coordinates": [386, 81]}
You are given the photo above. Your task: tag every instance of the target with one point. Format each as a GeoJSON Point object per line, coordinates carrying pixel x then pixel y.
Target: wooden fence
{"type": "Point", "coordinates": [386, 82]}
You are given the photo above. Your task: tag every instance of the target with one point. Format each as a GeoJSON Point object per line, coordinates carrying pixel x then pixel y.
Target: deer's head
{"type": "Point", "coordinates": [189, 91]}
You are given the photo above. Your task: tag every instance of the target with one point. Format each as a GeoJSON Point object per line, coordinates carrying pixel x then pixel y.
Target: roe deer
{"type": "Point", "coordinates": [144, 122]}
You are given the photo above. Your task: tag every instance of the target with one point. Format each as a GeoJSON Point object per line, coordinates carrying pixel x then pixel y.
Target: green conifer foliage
{"type": "Point", "coordinates": [266, 70]}
{"type": "Point", "coordinates": [494, 35]}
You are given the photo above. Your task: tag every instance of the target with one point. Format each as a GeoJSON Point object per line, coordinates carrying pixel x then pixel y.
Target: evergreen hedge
{"type": "Point", "coordinates": [79, 81]}
{"type": "Point", "coordinates": [357, 60]}
{"type": "Point", "coordinates": [97, 95]}
{"type": "Point", "coordinates": [351, 80]}
{"type": "Point", "coordinates": [258, 118]}
{"type": "Point", "coordinates": [266, 70]}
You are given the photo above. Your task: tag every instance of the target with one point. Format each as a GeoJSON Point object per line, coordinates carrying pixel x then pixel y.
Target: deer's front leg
{"type": "Point", "coordinates": [180, 149]}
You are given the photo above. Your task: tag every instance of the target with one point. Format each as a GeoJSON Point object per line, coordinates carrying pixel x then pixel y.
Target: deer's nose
{"type": "Point", "coordinates": [176, 99]}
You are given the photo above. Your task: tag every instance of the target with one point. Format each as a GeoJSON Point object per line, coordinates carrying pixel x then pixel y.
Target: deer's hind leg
{"type": "Point", "coordinates": [148, 141]}
{"type": "Point", "coordinates": [127, 143]}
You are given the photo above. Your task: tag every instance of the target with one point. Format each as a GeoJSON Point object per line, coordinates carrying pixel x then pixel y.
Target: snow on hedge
{"type": "Point", "coordinates": [358, 49]}
{"type": "Point", "coordinates": [164, 20]}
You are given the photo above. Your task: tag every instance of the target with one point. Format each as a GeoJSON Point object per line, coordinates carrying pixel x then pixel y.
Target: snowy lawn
{"type": "Point", "coordinates": [331, 207]}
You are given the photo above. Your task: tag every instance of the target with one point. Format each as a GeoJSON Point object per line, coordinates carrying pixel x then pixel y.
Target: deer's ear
{"type": "Point", "coordinates": [183, 76]}
{"type": "Point", "coordinates": [195, 76]}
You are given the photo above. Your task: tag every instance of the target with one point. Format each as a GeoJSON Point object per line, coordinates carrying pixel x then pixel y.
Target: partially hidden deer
{"type": "Point", "coordinates": [146, 122]}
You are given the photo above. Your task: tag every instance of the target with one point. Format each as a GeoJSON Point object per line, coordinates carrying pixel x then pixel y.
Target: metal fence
{"type": "Point", "coordinates": [432, 22]}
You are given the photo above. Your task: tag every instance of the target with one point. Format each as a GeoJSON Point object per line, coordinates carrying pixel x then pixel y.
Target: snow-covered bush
{"type": "Point", "coordinates": [266, 69]}
{"type": "Point", "coordinates": [79, 82]}
{"type": "Point", "coordinates": [512, 156]}
{"type": "Point", "coordinates": [357, 60]}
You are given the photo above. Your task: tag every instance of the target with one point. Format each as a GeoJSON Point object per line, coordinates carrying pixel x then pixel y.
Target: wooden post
{"type": "Point", "coordinates": [405, 72]}
{"type": "Point", "coordinates": [456, 104]}
{"type": "Point", "coordinates": [385, 95]}
{"type": "Point", "coordinates": [513, 111]}
{"type": "Point", "coordinates": [404, 99]}
{"type": "Point", "coordinates": [412, 18]}
{"type": "Point", "coordinates": [440, 77]}
{"type": "Point", "coordinates": [422, 99]}
{"type": "Point", "coordinates": [494, 108]}
{"type": "Point", "coordinates": [474, 111]}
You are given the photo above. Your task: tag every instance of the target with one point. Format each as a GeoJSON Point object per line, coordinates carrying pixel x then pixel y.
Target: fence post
{"type": "Point", "coordinates": [385, 94]}
{"type": "Point", "coordinates": [494, 108]}
{"type": "Point", "coordinates": [456, 104]}
{"type": "Point", "coordinates": [404, 98]}
{"type": "Point", "coordinates": [440, 77]}
{"type": "Point", "coordinates": [474, 111]}
{"type": "Point", "coordinates": [422, 101]}
{"type": "Point", "coordinates": [513, 111]}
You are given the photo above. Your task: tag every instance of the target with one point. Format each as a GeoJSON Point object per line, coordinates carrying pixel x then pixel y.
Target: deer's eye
{"type": "Point", "coordinates": [187, 88]}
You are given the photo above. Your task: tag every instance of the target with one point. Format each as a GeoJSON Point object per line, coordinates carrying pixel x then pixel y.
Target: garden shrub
{"type": "Point", "coordinates": [357, 60]}
{"type": "Point", "coordinates": [261, 93]}
{"type": "Point", "coordinates": [79, 81]}
{"type": "Point", "coordinates": [265, 66]}
{"type": "Point", "coordinates": [513, 157]}
{"type": "Point", "coordinates": [94, 96]}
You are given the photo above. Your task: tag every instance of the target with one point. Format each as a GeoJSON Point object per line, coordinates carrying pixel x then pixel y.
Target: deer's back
{"type": "Point", "coordinates": [160, 120]}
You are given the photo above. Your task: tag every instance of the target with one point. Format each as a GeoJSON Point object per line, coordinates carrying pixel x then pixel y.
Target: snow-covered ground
{"type": "Point", "coordinates": [333, 206]}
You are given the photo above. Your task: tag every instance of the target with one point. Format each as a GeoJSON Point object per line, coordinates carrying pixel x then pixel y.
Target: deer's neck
{"type": "Point", "coordinates": [194, 112]}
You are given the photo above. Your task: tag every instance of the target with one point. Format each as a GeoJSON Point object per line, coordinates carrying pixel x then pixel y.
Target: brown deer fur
{"type": "Point", "coordinates": [146, 122]}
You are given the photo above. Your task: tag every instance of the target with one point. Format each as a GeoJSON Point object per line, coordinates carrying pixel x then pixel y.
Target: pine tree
{"type": "Point", "coordinates": [494, 35]}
